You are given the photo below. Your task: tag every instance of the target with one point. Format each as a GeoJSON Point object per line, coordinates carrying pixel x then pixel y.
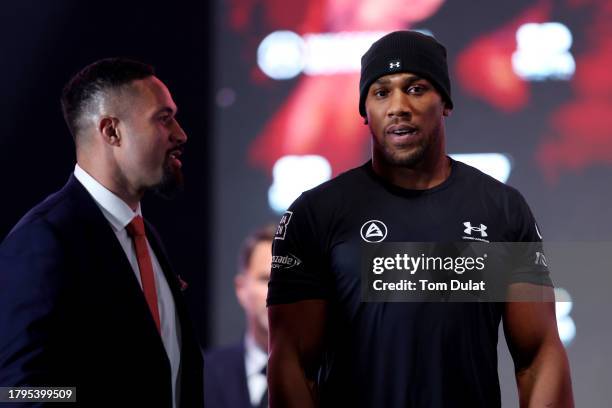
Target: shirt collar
{"type": "Point", "coordinates": [116, 211]}
{"type": "Point", "coordinates": [255, 358]}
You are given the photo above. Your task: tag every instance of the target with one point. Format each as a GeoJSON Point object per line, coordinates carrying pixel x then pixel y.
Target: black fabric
{"type": "Point", "coordinates": [399, 354]}
{"type": "Point", "coordinates": [405, 51]}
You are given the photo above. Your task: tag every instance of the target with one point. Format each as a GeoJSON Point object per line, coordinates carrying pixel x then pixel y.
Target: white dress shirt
{"type": "Point", "coordinates": [119, 215]}
{"type": "Point", "coordinates": [255, 359]}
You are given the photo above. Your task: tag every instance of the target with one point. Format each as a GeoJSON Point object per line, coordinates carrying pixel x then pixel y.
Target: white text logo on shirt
{"type": "Point", "coordinates": [285, 261]}
{"type": "Point", "coordinates": [281, 230]}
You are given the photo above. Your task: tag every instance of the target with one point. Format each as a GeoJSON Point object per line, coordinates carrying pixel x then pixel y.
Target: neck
{"type": "Point", "coordinates": [114, 181]}
{"type": "Point", "coordinates": [429, 173]}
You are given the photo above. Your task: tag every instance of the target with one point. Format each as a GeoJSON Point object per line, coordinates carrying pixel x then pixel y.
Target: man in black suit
{"type": "Point", "coordinates": [88, 298]}
{"type": "Point", "coordinates": [235, 376]}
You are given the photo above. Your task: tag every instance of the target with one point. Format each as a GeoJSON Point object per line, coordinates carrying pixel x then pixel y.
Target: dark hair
{"type": "Point", "coordinates": [99, 77]}
{"type": "Point", "coordinates": [263, 234]}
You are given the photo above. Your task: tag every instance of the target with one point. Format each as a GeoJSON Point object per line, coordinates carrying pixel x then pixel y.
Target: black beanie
{"type": "Point", "coordinates": [405, 51]}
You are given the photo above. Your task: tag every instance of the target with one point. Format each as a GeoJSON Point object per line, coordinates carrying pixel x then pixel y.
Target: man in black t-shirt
{"type": "Point", "coordinates": [329, 348]}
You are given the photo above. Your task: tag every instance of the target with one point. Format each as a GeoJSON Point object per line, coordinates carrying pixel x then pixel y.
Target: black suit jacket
{"type": "Point", "coordinates": [73, 314]}
{"type": "Point", "coordinates": [225, 374]}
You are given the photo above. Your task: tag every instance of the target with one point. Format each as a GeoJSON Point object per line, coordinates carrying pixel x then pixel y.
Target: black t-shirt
{"type": "Point", "coordinates": [407, 354]}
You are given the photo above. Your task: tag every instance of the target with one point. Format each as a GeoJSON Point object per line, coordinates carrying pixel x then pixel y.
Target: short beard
{"type": "Point", "coordinates": [404, 159]}
{"type": "Point", "coordinates": [171, 183]}
{"type": "Point", "coordinates": [401, 159]}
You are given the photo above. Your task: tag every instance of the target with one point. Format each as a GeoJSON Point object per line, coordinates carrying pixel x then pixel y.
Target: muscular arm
{"type": "Point", "coordinates": [541, 365]}
{"type": "Point", "coordinates": [296, 341]}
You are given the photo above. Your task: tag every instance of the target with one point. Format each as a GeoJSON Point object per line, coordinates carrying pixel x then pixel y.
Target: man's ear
{"type": "Point", "coordinates": [447, 111]}
{"type": "Point", "coordinates": [108, 128]}
{"type": "Point", "coordinates": [239, 284]}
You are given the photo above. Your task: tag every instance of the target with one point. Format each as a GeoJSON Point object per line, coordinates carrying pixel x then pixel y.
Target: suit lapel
{"type": "Point", "coordinates": [97, 233]}
{"type": "Point", "coordinates": [191, 358]}
{"type": "Point", "coordinates": [97, 238]}
{"type": "Point", "coordinates": [245, 398]}
{"type": "Point", "coordinates": [160, 253]}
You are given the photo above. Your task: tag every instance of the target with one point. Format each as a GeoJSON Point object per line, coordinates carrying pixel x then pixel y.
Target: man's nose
{"type": "Point", "coordinates": [178, 134]}
{"type": "Point", "coordinates": [399, 105]}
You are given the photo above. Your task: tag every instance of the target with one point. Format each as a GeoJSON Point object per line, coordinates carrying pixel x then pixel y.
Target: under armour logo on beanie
{"type": "Point", "coordinates": [405, 51]}
{"type": "Point", "coordinates": [394, 65]}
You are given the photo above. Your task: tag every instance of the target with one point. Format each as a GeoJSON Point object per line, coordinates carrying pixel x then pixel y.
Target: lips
{"type": "Point", "coordinates": [174, 157]}
{"type": "Point", "coordinates": [401, 129]}
{"type": "Point", "coordinates": [402, 136]}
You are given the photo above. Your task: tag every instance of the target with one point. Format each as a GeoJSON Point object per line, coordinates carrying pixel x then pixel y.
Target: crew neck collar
{"type": "Point", "coordinates": [408, 191]}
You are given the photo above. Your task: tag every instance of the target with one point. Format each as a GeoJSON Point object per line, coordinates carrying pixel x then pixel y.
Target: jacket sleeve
{"type": "Point", "coordinates": [33, 280]}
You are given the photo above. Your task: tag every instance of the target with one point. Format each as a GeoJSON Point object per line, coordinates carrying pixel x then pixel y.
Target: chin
{"type": "Point", "coordinates": [170, 184]}
{"type": "Point", "coordinates": [405, 159]}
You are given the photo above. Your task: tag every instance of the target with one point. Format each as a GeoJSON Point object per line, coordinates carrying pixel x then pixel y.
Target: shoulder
{"type": "Point", "coordinates": [35, 251]}
{"type": "Point", "coordinates": [328, 197]}
{"type": "Point", "coordinates": [341, 184]}
{"type": "Point", "coordinates": [472, 175]}
{"type": "Point", "coordinates": [51, 214]}
{"type": "Point", "coordinates": [481, 183]}
{"type": "Point", "coordinates": [315, 210]}
{"type": "Point", "coordinates": [503, 202]}
{"type": "Point", "coordinates": [37, 248]}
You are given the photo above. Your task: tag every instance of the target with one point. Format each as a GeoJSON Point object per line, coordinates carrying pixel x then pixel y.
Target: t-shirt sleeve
{"type": "Point", "coordinates": [298, 271]}
{"type": "Point", "coordinates": [529, 260]}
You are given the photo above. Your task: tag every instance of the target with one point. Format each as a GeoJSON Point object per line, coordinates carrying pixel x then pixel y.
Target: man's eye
{"type": "Point", "coordinates": [380, 92]}
{"type": "Point", "coordinates": [164, 118]}
{"type": "Point", "coordinates": [416, 89]}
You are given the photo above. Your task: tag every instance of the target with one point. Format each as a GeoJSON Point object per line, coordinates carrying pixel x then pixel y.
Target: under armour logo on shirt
{"type": "Point", "coordinates": [395, 65]}
{"type": "Point", "coordinates": [468, 229]}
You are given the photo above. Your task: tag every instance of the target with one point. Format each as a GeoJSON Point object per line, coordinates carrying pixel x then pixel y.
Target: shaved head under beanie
{"type": "Point", "coordinates": [405, 51]}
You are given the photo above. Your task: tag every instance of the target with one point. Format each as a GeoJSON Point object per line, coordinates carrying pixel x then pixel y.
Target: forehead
{"type": "Point", "coordinates": [399, 77]}
{"type": "Point", "coordinates": [151, 93]}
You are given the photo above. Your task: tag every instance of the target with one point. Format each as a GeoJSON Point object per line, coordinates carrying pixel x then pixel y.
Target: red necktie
{"type": "Point", "coordinates": [136, 230]}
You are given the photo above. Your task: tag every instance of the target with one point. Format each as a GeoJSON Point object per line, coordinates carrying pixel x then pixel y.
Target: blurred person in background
{"type": "Point", "coordinates": [235, 375]}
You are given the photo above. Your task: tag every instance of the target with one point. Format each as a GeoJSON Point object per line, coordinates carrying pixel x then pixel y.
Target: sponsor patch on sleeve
{"type": "Point", "coordinates": [285, 261]}
{"type": "Point", "coordinates": [281, 230]}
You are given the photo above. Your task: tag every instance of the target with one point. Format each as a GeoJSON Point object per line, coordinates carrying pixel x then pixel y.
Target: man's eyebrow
{"type": "Point", "coordinates": [383, 81]}
{"type": "Point", "coordinates": [409, 80]}
{"type": "Point", "coordinates": [413, 78]}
